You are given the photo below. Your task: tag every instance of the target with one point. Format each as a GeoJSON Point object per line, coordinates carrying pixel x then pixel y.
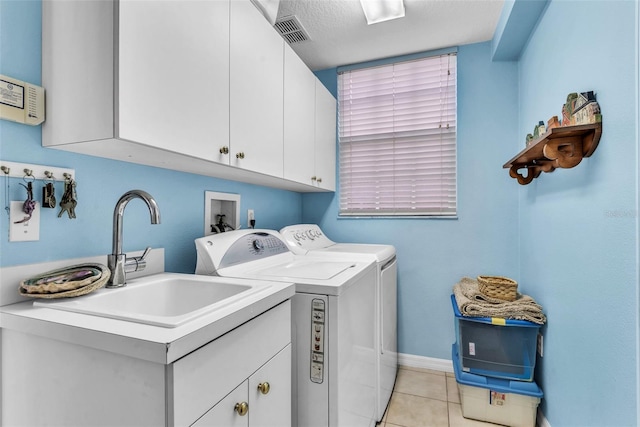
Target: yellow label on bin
{"type": "Point", "coordinates": [498, 321]}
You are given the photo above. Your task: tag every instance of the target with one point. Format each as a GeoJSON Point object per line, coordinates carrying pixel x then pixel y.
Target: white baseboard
{"type": "Point", "coordinates": [541, 421]}
{"type": "Point", "coordinates": [413, 361]}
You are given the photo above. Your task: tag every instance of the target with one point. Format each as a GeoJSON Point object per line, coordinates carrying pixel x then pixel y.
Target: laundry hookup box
{"type": "Point", "coordinates": [495, 400]}
{"type": "Point", "coordinates": [496, 347]}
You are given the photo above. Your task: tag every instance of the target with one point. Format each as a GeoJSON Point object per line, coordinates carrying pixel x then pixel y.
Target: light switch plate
{"type": "Point", "coordinates": [25, 231]}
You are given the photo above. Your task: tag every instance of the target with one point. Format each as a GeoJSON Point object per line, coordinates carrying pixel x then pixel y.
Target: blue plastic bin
{"type": "Point", "coordinates": [496, 347]}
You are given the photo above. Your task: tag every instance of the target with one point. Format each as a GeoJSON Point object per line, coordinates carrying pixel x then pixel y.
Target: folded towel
{"type": "Point", "coordinates": [471, 302]}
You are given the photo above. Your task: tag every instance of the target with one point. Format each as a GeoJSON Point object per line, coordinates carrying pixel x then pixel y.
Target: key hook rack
{"type": "Point", "coordinates": [36, 172]}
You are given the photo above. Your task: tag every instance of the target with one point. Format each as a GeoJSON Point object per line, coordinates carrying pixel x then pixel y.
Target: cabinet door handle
{"type": "Point", "coordinates": [319, 180]}
{"type": "Point", "coordinates": [240, 155]}
{"type": "Point", "coordinates": [313, 178]}
{"type": "Point", "coordinates": [224, 150]}
{"type": "Point", "coordinates": [264, 387]}
{"type": "Point", "coordinates": [242, 408]}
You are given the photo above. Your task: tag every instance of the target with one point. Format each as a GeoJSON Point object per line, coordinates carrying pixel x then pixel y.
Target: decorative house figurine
{"type": "Point", "coordinates": [567, 109]}
{"type": "Point", "coordinates": [553, 123]}
{"type": "Point", "coordinates": [586, 109]}
{"type": "Point", "coordinates": [529, 139]}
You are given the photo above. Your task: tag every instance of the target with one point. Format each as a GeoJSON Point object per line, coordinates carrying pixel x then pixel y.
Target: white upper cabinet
{"type": "Point", "coordinates": [299, 119]}
{"type": "Point", "coordinates": [256, 86]}
{"type": "Point", "coordinates": [154, 73]}
{"type": "Point", "coordinates": [173, 73]}
{"type": "Point", "coordinates": [193, 86]}
{"type": "Point", "coordinates": [325, 135]}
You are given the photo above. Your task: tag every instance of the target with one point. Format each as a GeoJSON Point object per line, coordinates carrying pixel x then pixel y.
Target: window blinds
{"type": "Point", "coordinates": [397, 137]}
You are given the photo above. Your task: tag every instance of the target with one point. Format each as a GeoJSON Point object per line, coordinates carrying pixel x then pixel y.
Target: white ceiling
{"type": "Point", "coordinates": [340, 35]}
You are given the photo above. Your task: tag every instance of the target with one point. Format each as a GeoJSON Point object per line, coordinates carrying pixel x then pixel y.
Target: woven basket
{"type": "Point", "coordinates": [498, 287]}
{"type": "Point", "coordinates": [62, 283]}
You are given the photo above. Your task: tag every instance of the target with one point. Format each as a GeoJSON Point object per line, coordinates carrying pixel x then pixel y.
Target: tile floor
{"type": "Point", "coordinates": [426, 398]}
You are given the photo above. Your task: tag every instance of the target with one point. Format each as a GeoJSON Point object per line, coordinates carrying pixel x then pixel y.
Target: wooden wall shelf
{"type": "Point", "coordinates": [561, 147]}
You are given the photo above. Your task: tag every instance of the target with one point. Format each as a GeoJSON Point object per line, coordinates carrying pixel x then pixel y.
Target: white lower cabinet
{"type": "Point", "coordinates": [86, 386]}
{"type": "Point", "coordinates": [258, 351]}
{"type": "Point", "coordinates": [264, 399]}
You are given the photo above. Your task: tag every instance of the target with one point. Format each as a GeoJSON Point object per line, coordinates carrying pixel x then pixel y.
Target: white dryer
{"type": "Point", "coordinates": [308, 239]}
{"type": "Point", "coordinates": [333, 316]}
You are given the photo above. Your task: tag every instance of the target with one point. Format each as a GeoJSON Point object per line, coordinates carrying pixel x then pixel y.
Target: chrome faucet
{"type": "Point", "coordinates": [118, 262]}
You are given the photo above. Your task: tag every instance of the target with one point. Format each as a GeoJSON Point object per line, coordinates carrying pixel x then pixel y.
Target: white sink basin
{"type": "Point", "coordinates": [167, 299]}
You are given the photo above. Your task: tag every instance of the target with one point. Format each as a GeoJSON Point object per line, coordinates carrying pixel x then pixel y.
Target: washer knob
{"type": "Point", "coordinates": [258, 245]}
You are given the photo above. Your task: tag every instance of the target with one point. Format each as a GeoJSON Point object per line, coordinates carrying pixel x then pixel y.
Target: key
{"type": "Point", "coordinates": [68, 202]}
{"type": "Point", "coordinates": [68, 206]}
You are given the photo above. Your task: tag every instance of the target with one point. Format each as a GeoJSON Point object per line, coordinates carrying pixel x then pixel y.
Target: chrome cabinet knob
{"type": "Point", "coordinates": [319, 180]}
{"type": "Point", "coordinates": [240, 155]}
{"type": "Point", "coordinates": [224, 150]}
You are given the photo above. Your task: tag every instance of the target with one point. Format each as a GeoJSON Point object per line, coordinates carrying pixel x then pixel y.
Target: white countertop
{"type": "Point", "coordinates": [152, 343]}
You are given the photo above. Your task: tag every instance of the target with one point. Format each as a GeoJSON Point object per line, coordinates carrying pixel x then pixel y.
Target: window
{"type": "Point", "coordinates": [397, 135]}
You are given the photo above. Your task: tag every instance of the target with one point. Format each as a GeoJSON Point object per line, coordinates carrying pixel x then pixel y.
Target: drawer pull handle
{"type": "Point", "coordinates": [264, 387]}
{"type": "Point", "coordinates": [242, 408]}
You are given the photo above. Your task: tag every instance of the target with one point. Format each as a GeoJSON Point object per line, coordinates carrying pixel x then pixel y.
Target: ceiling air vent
{"type": "Point", "coordinates": [290, 28]}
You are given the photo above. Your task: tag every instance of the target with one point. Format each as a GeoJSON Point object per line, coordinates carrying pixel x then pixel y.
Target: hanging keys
{"type": "Point", "coordinates": [68, 202]}
{"type": "Point", "coordinates": [48, 196]}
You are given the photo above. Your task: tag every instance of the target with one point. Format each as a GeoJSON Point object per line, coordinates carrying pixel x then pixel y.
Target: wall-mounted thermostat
{"type": "Point", "coordinates": [21, 102]}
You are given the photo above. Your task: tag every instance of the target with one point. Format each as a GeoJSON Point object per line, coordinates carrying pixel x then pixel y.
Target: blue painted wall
{"type": "Point", "coordinates": [575, 232]}
{"type": "Point", "coordinates": [101, 182]}
{"type": "Point", "coordinates": [578, 227]}
{"type": "Point", "coordinates": [434, 254]}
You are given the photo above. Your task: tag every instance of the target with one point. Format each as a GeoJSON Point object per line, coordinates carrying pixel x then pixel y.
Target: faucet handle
{"type": "Point", "coordinates": [145, 253]}
{"type": "Point", "coordinates": [137, 263]}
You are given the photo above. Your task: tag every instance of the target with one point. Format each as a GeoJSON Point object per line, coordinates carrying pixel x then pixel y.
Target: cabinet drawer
{"type": "Point", "coordinates": [202, 378]}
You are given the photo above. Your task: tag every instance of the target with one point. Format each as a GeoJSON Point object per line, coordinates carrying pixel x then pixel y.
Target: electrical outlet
{"type": "Point", "coordinates": [540, 345]}
{"type": "Point", "coordinates": [250, 215]}
{"type": "Point", "coordinates": [21, 230]}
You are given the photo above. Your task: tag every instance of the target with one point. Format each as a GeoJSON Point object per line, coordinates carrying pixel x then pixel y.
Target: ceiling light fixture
{"type": "Point", "coordinates": [382, 10]}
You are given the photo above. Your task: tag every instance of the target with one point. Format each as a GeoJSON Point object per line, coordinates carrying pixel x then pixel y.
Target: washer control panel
{"type": "Point", "coordinates": [251, 247]}
{"type": "Point", "coordinates": [317, 340]}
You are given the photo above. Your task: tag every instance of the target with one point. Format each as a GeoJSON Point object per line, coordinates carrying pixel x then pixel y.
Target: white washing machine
{"type": "Point", "coordinates": [333, 316]}
{"type": "Point", "coordinates": [308, 239]}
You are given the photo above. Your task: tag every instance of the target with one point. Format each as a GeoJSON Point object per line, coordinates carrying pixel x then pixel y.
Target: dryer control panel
{"type": "Point", "coordinates": [302, 238]}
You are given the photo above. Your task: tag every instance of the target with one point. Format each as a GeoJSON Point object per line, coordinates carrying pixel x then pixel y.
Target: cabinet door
{"type": "Point", "coordinates": [325, 148]}
{"type": "Point", "coordinates": [256, 87]}
{"type": "Point", "coordinates": [172, 84]}
{"type": "Point", "coordinates": [299, 119]}
{"type": "Point", "coordinates": [224, 413]}
{"type": "Point", "coordinates": [273, 408]}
